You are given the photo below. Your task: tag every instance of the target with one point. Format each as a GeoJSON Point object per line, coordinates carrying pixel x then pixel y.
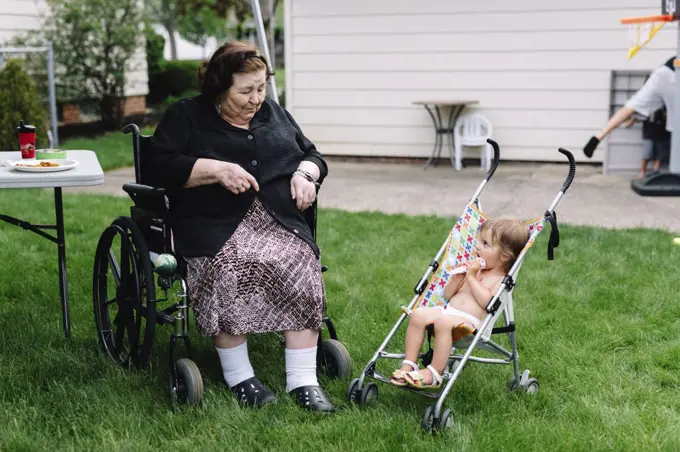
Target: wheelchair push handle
{"type": "Point", "coordinates": [572, 169]}
{"type": "Point", "coordinates": [131, 128]}
{"type": "Point", "coordinates": [135, 145]}
{"type": "Point", "coordinates": [496, 157]}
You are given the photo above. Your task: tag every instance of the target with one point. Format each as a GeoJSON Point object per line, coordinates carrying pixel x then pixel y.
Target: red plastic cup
{"type": "Point", "coordinates": [26, 140]}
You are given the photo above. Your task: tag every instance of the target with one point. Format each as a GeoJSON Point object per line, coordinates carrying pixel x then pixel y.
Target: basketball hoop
{"type": "Point", "coordinates": [641, 30]}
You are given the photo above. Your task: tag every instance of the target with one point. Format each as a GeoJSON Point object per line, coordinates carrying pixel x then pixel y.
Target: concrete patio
{"type": "Point", "coordinates": [523, 190]}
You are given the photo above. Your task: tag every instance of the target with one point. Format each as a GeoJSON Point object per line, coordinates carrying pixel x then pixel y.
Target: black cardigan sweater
{"type": "Point", "coordinates": [204, 217]}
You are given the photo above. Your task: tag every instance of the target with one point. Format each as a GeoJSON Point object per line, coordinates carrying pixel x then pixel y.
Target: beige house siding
{"type": "Point", "coordinates": [540, 70]}
{"type": "Point", "coordinates": [20, 16]}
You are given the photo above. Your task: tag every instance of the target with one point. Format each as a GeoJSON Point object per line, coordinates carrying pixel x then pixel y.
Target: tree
{"type": "Point", "coordinates": [94, 41]}
{"type": "Point", "coordinates": [243, 10]}
{"type": "Point", "coordinates": [165, 13]}
{"type": "Point", "coordinates": [202, 22]}
{"type": "Point", "coordinates": [196, 20]}
{"type": "Point", "coordinates": [20, 101]}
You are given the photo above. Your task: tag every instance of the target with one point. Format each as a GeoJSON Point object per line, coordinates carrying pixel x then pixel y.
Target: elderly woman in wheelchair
{"type": "Point", "coordinates": [239, 180]}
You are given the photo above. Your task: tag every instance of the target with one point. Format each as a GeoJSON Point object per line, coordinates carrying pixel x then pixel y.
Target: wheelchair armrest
{"type": "Point", "coordinates": [148, 198]}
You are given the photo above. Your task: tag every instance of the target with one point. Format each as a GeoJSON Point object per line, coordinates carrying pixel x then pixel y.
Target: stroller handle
{"type": "Point", "coordinates": [496, 157]}
{"type": "Point", "coordinates": [572, 169]}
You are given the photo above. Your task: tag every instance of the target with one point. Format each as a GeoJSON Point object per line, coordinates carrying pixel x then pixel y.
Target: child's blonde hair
{"type": "Point", "coordinates": [509, 234]}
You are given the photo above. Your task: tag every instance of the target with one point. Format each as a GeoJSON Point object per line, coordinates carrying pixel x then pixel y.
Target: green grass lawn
{"type": "Point", "coordinates": [598, 327]}
{"type": "Point", "coordinates": [114, 149]}
{"type": "Point", "coordinates": [280, 77]}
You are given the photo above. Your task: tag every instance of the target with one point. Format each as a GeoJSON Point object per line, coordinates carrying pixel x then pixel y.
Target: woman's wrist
{"type": "Point", "coordinates": [205, 172]}
{"type": "Point", "coordinates": [311, 168]}
{"type": "Point", "coordinates": [305, 175]}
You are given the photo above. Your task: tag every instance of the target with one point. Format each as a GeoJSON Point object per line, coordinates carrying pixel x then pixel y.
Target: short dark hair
{"type": "Point", "coordinates": [216, 74]}
{"type": "Point", "coordinates": [510, 235]}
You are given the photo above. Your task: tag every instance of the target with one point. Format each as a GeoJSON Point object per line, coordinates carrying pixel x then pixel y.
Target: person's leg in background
{"type": "Point", "coordinates": [662, 152]}
{"type": "Point", "coordinates": [647, 155]}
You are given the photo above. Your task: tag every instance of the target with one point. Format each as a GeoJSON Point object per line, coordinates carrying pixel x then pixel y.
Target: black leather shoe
{"type": "Point", "coordinates": [589, 148]}
{"type": "Point", "coordinates": [253, 393]}
{"type": "Point", "coordinates": [312, 398]}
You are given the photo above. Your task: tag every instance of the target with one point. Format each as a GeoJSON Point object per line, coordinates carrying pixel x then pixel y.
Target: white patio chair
{"type": "Point", "coordinates": [472, 130]}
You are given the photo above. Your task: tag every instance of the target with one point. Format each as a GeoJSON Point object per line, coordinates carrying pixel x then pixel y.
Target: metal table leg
{"type": "Point", "coordinates": [438, 139]}
{"type": "Point", "coordinates": [61, 245]}
{"type": "Point", "coordinates": [455, 112]}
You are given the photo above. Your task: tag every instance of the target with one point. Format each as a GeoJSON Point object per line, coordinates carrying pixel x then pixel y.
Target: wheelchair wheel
{"type": "Point", "coordinates": [334, 360]}
{"type": "Point", "coordinates": [187, 389]}
{"type": "Point", "coordinates": [124, 294]}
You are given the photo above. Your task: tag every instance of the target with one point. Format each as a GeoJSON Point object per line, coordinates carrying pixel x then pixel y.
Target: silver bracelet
{"type": "Point", "coordinates": [306, 174]}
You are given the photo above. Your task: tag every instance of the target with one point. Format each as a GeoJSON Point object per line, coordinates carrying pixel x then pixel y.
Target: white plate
{"type": "Point", "coordinates": [64, 165]}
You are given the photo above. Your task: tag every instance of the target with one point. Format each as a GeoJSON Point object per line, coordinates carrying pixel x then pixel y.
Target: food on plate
{"type": "Point", "coordinates": [43, 164]}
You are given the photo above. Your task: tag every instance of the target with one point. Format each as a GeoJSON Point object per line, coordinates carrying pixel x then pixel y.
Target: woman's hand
{"type": "Point", "coordinates": [302, 191]}
{"type": "Point", "coordinates": [235, 179]}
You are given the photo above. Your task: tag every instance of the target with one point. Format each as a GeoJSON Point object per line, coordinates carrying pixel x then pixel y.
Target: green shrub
{"type": "Point", "coordinates": [155, 44]}
{"type": "Point", "coordinates": [173, 79]}
{"type": "Point", "coordinates": [20, 101]}
{"type": "Point", "coordinates": [168, 101]}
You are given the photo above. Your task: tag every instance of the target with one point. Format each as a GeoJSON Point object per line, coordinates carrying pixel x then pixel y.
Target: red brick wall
{"type": "Point", "coordinates": [70, 114]}
{"type": "Point", "coordinates": [134, 105]}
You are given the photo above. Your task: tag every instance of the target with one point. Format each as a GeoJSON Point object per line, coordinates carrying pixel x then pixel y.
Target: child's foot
{"type": "Point", "coordinates": [424, 379]}
{"type": "Point", "coordinates": [398, 375]}
{"type": "Point", "coordinates": [427, 377]}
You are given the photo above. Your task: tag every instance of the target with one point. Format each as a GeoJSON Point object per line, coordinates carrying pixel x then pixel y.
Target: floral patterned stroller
{"type": "Point", "coordinates": [458, 248]}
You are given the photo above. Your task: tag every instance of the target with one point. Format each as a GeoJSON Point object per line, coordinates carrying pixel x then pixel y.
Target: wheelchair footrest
{"type": "Point", "coordinates": [163, 318]}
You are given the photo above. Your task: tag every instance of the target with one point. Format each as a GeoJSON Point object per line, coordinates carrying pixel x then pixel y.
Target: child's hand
{"type": "Point", "coordinates": [473, 268]}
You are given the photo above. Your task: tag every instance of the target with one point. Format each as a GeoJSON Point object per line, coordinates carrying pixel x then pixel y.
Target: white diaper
{"type": "Point", "coordinates": [453, 311]}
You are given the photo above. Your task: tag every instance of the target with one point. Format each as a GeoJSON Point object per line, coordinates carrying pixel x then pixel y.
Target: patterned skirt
{"type": "Point", "coordinates": [263, 279]}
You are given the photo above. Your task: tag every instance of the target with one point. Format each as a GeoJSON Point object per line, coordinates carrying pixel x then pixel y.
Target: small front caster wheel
{"type": "Point", "coordinates": [427, 423]}
{"type": "Point", "coordinates": [530, 386]}
{"type": "Point", "coordinates": [351, 392]}
{"type": "Point", "coordinates": [334, 360]}
{"type": "Point", "coordinates": [368, 394]}
{"type": "Point", "coordinates": [187, 389]}
{"type": "Point", "coordinates": [445, 422]}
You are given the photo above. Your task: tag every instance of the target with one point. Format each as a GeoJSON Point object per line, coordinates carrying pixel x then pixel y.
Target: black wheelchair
{"type": "Point", "coordinates": [126, 281]}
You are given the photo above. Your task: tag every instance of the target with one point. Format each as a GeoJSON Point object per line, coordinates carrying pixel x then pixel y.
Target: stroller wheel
{"type": "Point", "coordinates": [530, 386]}
{"type": "Point", "coordinates": [428, 419]}
{"type": "Point", "coordinates": [446, 421]}
{"type": "Point", "coordinates": [334, 360]}
{"type": "Point", "coordinates": [351, 392]}
{"type": "Point", "coordinates": [188, 388]}
{"type": "Point", "coordinates": [368, 394]}
{"type": "Point", "coordinates": [512, 383]}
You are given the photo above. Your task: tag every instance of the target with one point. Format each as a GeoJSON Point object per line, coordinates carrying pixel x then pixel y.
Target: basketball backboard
{"type": "Point", "coordinates": [668, 7]}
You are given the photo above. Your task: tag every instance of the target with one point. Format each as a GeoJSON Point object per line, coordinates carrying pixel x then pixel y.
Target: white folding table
{"type": "Point", "coordinates": [88, 172]}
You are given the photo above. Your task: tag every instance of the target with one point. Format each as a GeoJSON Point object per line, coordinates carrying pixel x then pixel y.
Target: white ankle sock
{"type": "Point", "coordinates": [300, 368]}
{"type": "Point", "coordinates": [235, 364]}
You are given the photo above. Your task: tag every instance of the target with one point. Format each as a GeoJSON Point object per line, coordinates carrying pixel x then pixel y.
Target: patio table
{"type": "Point", "coordinates": [88, 172]}
{"type": "Point", "coordinates": [434, 107]}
